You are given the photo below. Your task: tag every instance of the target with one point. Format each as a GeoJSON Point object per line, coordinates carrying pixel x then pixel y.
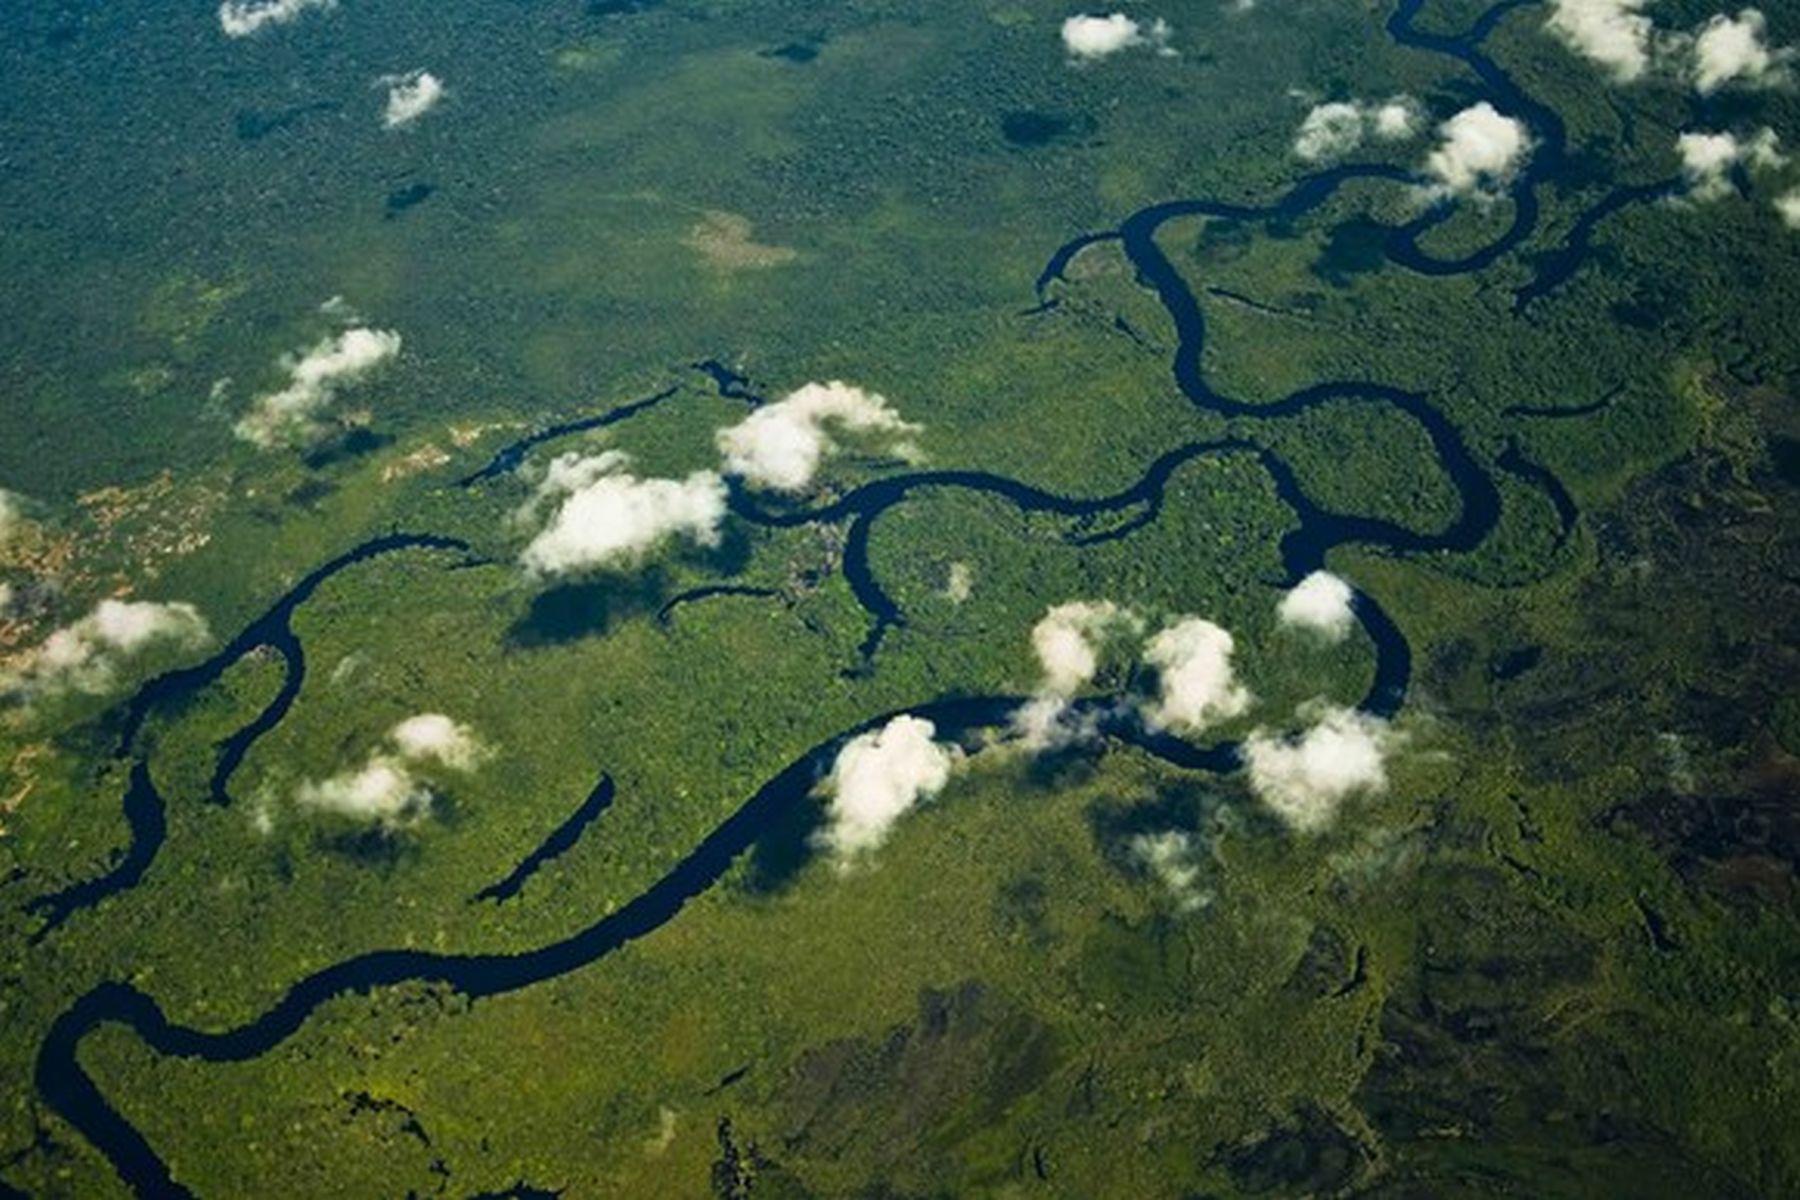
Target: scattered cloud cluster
{"type": "Point", "coordinates": [1707, 159]}
{"type": "Point", "coordinates": [1195, 680]}
{"type": "Point", "coordinates": [1735, 50]}
{"type": "Point", "coordinates": [388, 790]}
{"type": "Point", "coordinates": [86, 656]}
{"type": "Point", "coordinates": [1480, 149]}
{"type": "Point", "coordinates": [241, 18]}
{"type": "Point", "coordinates": [1088, 38]}
{"type": "Point", "coordinates": [410, 96]}
{"type": "Point", "coordinates": [1335, 129]}
{"type": "Point", "coordinates": [291, 416]}
{"type": "Point", "coordinates": [1197, 687]}
{"type": "Point", "coordinates": [1173, 857]}
{"type": "Point", "coordinates": [780, 445]}
{"type": "Point", "coordinates": [1305, 777]}
{"type": "Point", "coordinates": [1619, 36]}
{"type": "Point", "coordinates": [1714, 164]}
{"type": "Point", "coordinates": [876, 779]}
{"type": "Point", "coordinates": [1321, 603]}
{"type": "Point", "coordinates": [606, 517]}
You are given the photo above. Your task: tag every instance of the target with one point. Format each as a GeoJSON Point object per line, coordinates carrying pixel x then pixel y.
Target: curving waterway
{"type": "Point", "coordinates": [67, 1089]}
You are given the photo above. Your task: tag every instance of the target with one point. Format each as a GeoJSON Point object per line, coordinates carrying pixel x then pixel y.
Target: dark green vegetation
{"type": "Point", "coordinates": [1557, 956]}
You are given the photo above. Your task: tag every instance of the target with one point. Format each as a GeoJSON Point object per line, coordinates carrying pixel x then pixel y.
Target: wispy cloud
{"type": "Point", "coordinates": [241, 18]}
{"type": "Point", "coordinates": [1174, 858]}
{"type": "Point", "coordinates": [86, 655]}
{"type": "Point", "coordinates": [291, 416]}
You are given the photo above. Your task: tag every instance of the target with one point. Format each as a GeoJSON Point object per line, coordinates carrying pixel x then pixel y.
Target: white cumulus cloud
{"type": "Point", "coordinates": [1066, 641]}
{"type": "Point", "coordinates": [1480, 150]}
{"type": "Point", "coordinates": [1088, 37]}
{"type": "Point", "coordinates": [389, 789]}
{"type": "Point", "coordinates": [1736, 50]}
{"type": "Point", "coordinates": [1788, 205]}
{"type": "Point", "coordinates": [1335, 129]}
{"type": "Point", "coordinates": [1173, 857]}
{"type": "Point", "coordinates": [241, 18]}
{"type": "Point", "coordinates": [1321, 602]}
{"type": "Point", "coordinates": [607, 517]}
{"type": "Point", "coordinates": [1196, 683]}
{"type": "Point", "coordinates": [1614, 33]}
{"type": "Point", "coordinates": [410, 96]}
{"type": "Point", "coordinates": [1304, 778]}
{"type": "Point", "coordinates": [85, 656]}
{"type": "Point", "coordinates": [291, 415]}
{"type": "Point", "coordinates": [878, 776]}
{"type": "Point", "coordinates": [1393, 119]}
{"type": "Point", "coordinates": [780, 445]}
{"type": "Point", "coordinates": [1707, 159]}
